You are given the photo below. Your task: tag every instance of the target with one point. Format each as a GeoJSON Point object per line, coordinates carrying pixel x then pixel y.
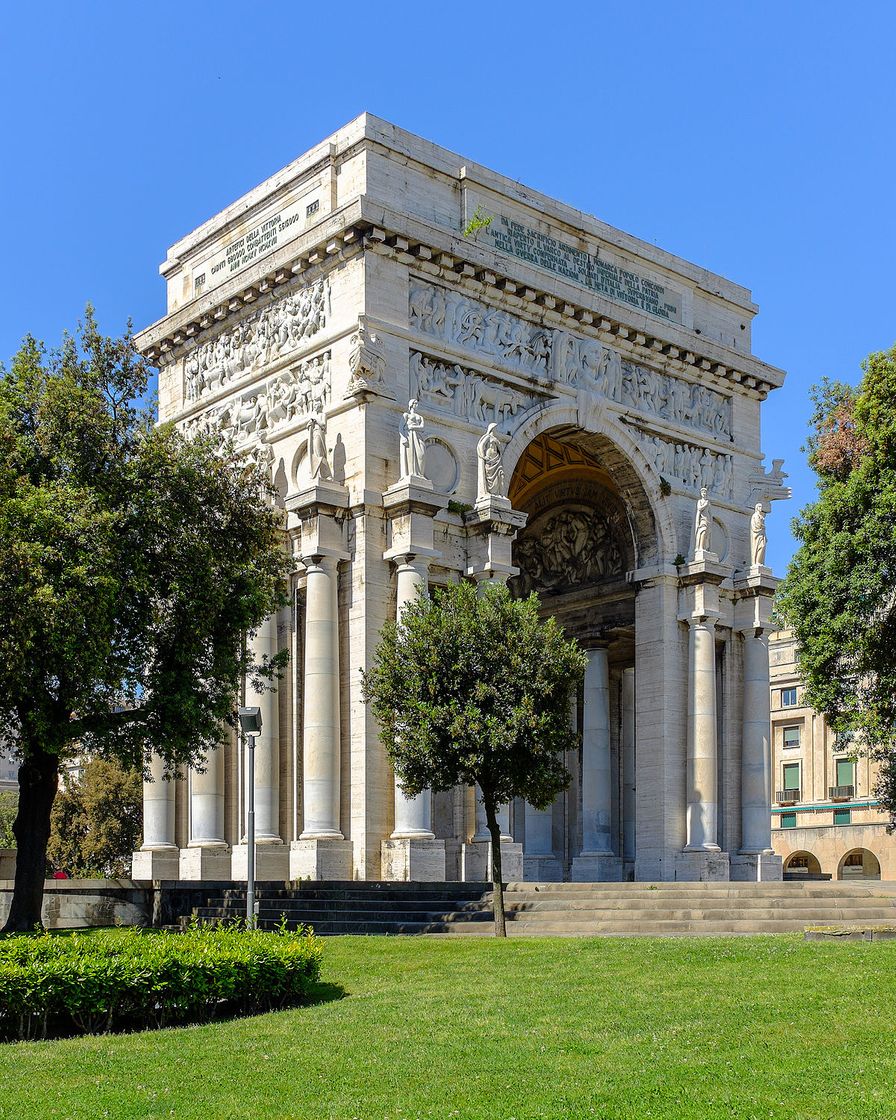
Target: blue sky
{"type": "Point", "coordinates": [753, 138]}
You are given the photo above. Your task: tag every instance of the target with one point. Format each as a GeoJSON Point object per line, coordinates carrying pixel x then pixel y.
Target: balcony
{"type": "Point", "coordinates": [841, 793]}
{"type": "Point", "coordinates": [788, 796]}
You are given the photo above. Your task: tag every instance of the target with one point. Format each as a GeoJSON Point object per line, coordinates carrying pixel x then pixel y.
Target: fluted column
{"type": "Point", "coordinates": [321, 741]}
{"type": "Point", "coordinates": [158, 810]}
{"type": "Point", "coordinates": [756, 757]}
{"type": "Point", "coordinates": [413, 815]}
{"type": "Point", "coordinates": [267, 744]}
{"type": "Point", "coordinates": [702, 748]}
{"type": "Point", "coordinates": [597, 793]}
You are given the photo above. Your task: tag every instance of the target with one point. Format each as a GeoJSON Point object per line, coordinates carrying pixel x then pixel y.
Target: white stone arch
{"type": "Point", "coordinates": [655, 535]}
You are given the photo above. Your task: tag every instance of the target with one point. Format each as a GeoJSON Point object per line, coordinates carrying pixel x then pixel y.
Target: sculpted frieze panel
{"type": "Point", "coordinates": [256, 341]}
{"type": "Point", "coordinates": [693, 467]}
{"type": "Point", "coordinates": [573, 546]}
{"type": "Point", "coordinates": [552, 354]}
{"type": "Point", "coordinates": [466, 393]}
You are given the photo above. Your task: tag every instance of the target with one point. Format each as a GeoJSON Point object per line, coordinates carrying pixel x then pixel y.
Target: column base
{"type": "Point", "coordinates": [596, 867]}
{"type": "Point", "coordinates": [476, 862]}
{"type": "Point", "coordinates": [271, 863]}
{"type": "Point", "coordinates": [542, 869]}
{"type": "Point", "coordinates": [702, 867]}
{"type": "Point", "coordinates": [413, 861]}
{"type": "Point", "coordinates": [156, 863]}
{"type": "Point", "coordinates": [204, 863]}
{"type": "Point", "coordinates": [757, 867]}
{"type": "Point", "coordinates": [321, 860]}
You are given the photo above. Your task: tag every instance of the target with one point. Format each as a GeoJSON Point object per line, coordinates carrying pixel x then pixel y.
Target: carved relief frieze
{"type": "Point", "coordinates": [691, 466]}
{"type": "Point", "coordinates": [257, 341]}
{"type": "Point", "coordinates": [466, 393]}
{"type": "Point", "coordinates": [553, 354]}
{"type": "Point", "coordinates": [575, 546]}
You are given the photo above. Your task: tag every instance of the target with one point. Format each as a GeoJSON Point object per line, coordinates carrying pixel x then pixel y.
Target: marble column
{"type": "Point", "coordinates": [158, 858]}
{"type": "Point", "coordinates": [702, 747]}
{"type": "Point", "coordinates": [321, 852]}
{"type": "Point", "coordinates": [597, 860]}
{"type": "Point", "coordinates": [207, 855]}
{"type": "Point", "coordinates": [271, 857]}
{"type": "Point", "coordinates": [413, 815]}
{"type": "Point", "coordinates": [629, 765]}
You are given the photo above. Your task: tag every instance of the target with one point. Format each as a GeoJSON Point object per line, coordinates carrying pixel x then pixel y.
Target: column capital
{"type": "Point", "coordinates": [407, 496]}
{"type": "Point", "coordinates": [492, 526]}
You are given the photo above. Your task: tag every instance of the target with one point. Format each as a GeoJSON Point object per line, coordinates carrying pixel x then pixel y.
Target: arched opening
{"type": "Point", "coordinates": [859, 864]}
{"type": "Point", "coordinates": [803, 864]}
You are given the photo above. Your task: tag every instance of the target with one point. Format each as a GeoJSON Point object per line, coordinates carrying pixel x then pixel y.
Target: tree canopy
{"type": "Point", "coordinates": [474, 688]}
{"type": "Point", "coordinates": [132, 564]}
{"type": "Point", "coordinates": [840, 592]}
{"type": "Point", "coordinates": [96, 821]}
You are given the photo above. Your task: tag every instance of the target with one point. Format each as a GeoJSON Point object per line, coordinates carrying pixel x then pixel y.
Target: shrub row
{"type": "Point", "coordinates": [130, 979]}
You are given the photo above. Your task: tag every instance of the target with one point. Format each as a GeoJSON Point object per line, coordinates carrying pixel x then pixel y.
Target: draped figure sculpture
{"type": "Point", "coordinates": [411, 444]}
{"type": "Point", "coordinates": [491, 481]}
{"type": "Point", "coordinates": [758, 537]}
{"type": "Point", "coordinates": [317, 447]}
{"type": "Point", "coordinates": [703, 525]}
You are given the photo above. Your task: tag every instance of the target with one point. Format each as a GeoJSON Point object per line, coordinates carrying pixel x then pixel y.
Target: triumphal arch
{"type": "Point", "coordinates": [449, 376]}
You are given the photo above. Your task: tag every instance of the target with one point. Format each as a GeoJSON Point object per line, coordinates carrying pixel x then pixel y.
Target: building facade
{"type": "Point", "coordinates": [9, 771]}
{"type": "Point", "coordinates": [825, 818]}
{"type": "Point", "coordinates": [450, 376]}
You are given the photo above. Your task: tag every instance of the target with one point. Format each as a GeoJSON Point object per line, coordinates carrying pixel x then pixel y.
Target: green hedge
{"type": "Point", "coordinates": [130, 979]}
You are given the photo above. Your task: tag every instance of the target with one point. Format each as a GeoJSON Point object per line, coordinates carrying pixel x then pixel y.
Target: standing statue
{"type": "Point", "coordinates": [317, 447]}
{"type": "Point", "coordinates": [412, 446]}
{"type": "Point", "coordinates": [490, 478]}
{"type": "Point", "coordinates": [758, 536]}
{"type": "Point", "coordinates": [703, 524]}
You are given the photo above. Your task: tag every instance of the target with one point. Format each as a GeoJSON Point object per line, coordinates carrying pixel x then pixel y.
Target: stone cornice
{"type": "Point", "coordinates": [368, 225]}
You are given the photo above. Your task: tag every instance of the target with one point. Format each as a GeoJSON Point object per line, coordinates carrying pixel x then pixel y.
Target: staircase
{"type": "Point", "coordinates": [566, 909]}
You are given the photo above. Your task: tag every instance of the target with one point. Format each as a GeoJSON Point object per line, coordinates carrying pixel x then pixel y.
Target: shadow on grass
{"type": "Point", "coordinates": [321, 992]}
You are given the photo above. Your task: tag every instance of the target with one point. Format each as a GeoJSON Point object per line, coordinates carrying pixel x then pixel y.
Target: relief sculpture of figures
{"type": "Point", "coordinates": [367, 362]}
{"type": "Point", "coordinates": [317, 448]}
{"type": "Point", "coordinates": [703, 526]}
{"type": "Point", "coordinates": [758, 536]}
{"type": "Point", "coordinates": [490, 479]}
{"type": "Point", "coordinates": [411, 445]}
{"type": "Point", "coordinates": [261, 338]}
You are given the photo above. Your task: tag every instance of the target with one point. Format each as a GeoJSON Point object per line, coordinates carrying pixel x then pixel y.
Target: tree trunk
{"type": "Point", "coordinates": [38, 782]}
{"type": "Point", "coordinates": [497, 876]}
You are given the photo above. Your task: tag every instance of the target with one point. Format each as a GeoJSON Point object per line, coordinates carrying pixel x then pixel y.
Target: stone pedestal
{"type": "Point", "coordinates": [205, 863]}
{"type": "Point", "coordinates": [414, 861]}
{"type": "Point", "coordinates": [476, 862]}
{"type": "Point", "coordinates": [596, 868]}
{"type": "Point", "coordinates": [757, 867]}
{"type": "Point", "coordinates": [321, 860]}
{"type": "Point", "coordinates": [271, 863]}
{"type": "Point", "coordinates": [542, 869]}
{"type": "Point", "coordinates": [156, 864]}
{"type": "Point", "coordinates": [702, 867]}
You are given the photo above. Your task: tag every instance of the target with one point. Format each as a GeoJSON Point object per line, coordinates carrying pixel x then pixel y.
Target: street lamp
{"type": "Point", "coordinates": [250, 726]}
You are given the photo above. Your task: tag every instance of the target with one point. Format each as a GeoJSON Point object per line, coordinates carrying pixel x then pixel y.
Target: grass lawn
{"type": "Point", "coordinates": [610, 1028]}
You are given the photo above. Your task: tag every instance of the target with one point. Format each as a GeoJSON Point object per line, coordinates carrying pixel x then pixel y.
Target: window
{"type": "Point", "coordinates": [791, 737]}
{"type": "Point", "coordinates": [788, 697]}
{"type": "Point", "coordinates": [792, 776]}
{"type": "Point", "coordinates": [842, 816]}
{"type": "Point", "coordinates": [312, 208]}
{"type": "Point", "coordinates": [846, 772]}
{"type": "Point", "coordinates": [788, 820]}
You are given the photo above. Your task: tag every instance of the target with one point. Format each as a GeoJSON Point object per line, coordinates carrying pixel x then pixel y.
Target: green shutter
{"type": "Point", "coordinates": [791, 775]}
{"type": "Point", "coordinates": [845, 772]}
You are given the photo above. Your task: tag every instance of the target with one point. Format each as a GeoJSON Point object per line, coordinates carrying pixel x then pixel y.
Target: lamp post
{"type": "Point", "coordinates": [250, 726]}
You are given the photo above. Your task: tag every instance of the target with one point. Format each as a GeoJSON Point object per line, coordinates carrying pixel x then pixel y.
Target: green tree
{"type": "Point", "coordinates": [132, 563]}
{"type": "Point", "coordinates": [475, 689]}
{"type": "Point", "coordinates": [839, 592]}
{"type": "Point", "coordinates": [96, 821]}
{"type": "Point", "coordinates": [9, 806]}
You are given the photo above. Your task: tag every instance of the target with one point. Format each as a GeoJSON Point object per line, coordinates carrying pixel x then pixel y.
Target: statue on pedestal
{"type": "Point", "coordinates": [758, 537]}
{"type": "Point", "coordinates": [703, 525]}
{"type": "Point", "coordinates": [317, 448]}
{"type": "Point", "coordinates": [411, 444]}
{"type": "Point", "coordinates": [490, 476]}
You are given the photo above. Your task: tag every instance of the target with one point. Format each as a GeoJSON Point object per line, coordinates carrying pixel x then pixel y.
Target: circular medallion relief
{"type": "Point", "coordinates": [442, 468]}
